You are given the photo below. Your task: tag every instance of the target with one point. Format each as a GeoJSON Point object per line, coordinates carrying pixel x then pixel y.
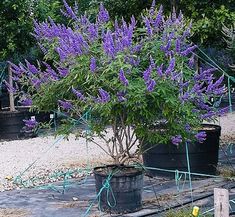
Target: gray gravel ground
{"type": "Point", "coordinates": [16, 156]}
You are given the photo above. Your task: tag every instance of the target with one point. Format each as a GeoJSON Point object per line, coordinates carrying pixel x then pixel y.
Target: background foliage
{"type": "Point", "coordinates": [16, 18]}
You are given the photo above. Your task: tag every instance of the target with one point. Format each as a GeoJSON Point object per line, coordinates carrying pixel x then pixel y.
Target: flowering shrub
{"type": "Point", "coordinates": [128, 78]}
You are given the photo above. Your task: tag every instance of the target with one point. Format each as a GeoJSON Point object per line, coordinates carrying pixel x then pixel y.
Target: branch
{"type": "Point", "coordinates": [91, 140]}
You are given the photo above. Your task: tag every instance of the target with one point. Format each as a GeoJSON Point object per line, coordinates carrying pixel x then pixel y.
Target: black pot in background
{"type": "Point", "coordinates": [11, 124]}
{"type": "Point", "coordinates": [203, 157]}
{"type": "Point", "coordinates": [125, 191]}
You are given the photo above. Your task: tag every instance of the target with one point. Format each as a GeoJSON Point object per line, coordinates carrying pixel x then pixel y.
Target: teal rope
{"type": "Point", "coordinates": [178, 178]}
{"type": "Point", "coordinates": [173, 171]}
{"type": "Point", "coordinates": [229, 96]}
{"type": "Point", "coordinates": [225, 73]}
{"type": "Point", "coordinates": [207, 211]}
{"type": "Point", "coordinates": [230, 147]}
{"type": "Point", "coordinates": [22, 173]}
{"type": "Point", "coordinates": [66, 183]}
{"type": "Point", "coordinates": [54, 121]}
{"type": "Point", "coordinates": [18, 178]}
{"type": "Point", "coordinates": [106, 186]}
{"type": "Point", "coordinates": [215, 64]}
{"type": "Point", "coordinates": [189, 171]}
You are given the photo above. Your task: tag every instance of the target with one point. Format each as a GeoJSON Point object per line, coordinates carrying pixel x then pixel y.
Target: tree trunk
{"type": "Point", "coordinates": [11, 94]}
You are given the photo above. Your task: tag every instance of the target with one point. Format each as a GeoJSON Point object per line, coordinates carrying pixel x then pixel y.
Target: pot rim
{"type": "Point", "coordinates": [132, 174]}
{"type": "Point", "coordinates": [217, 128]}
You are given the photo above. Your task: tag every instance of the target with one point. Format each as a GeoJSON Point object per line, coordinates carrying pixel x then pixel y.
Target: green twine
{"type": "Point", "coordinates": [178, 178]}
{"type": "Point", "coordinates": [106, 186]}
{"type": "Point", "coordinates": [18, 179]}
{"type": "Point", "coordinates": [230, 147]}
{"type": "Point", "coordinates": [229, 96]}
{"type": "Point", "coordinates": [226, 74]}
{"type": "Point", "coordinates": [173, 171]}
{"type": "Point", "coordinates": [210, 210]}
{"type": "Point", "coordinates": [215, 64]}
{"type": "Point", "coordinates": [189, 171]}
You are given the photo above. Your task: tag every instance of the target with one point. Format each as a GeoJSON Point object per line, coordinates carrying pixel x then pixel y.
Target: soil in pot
{"type": "Point", "coordinates": [119, 188]}
{"type": "Point", "coordinates": [203, 157]}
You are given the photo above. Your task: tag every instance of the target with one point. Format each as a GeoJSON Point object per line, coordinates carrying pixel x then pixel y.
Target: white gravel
{"type": "Point", "coordinates": [16, 156]}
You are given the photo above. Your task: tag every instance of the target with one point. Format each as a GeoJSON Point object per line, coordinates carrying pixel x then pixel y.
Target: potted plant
{"type": "Point", "coordinates": [126, 79]}
{"type": "Point", "coordinates": [11, 118]}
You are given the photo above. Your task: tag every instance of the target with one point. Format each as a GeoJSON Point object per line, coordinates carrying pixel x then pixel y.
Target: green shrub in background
{"type": "Point", "coordinates": [16, 23]}
{"type": "Point", "coordinates": [206, 15]}
{"type": "Point", "coordinates": [16, 19]}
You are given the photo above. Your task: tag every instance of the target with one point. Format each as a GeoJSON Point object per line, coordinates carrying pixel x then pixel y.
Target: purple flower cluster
{"type": "Point", "coordinates": [26, 102]}
{"type": "Point", "coordinates": [93, 64]}
{"type": "Point", "coordinates": [104, 96]}
{"type": "Point", "coordinates": [201, 136]}
{"type": "Point", "coordinates": [103, 15]}
{"type": "Point", "coordinates": [69, 11]}
{"type": "Point", "coordinates": [120, 39]}
{"type": "Point", "coordinates": [78, 94]}
{"type": "Point", "coordinates": [30, 124]}
{"type": "Point", "coordinates": [126, 61]}
{"type": "Point", "coordinates": [10, 88]}
{"type": "Point", "coordinates": [171, 67]}
{"type": "Point", "coordinates": [65, 105]}
{"type": "Point", "coordinates": [176, 140]}
{"type": "Point", "coordinates": [151, 83]}
{"type": "Point", "coordinates": [123, 78]}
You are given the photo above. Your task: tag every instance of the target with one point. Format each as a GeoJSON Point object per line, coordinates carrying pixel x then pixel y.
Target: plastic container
{"type": "Point", "coordinates": [203, 157]}
{"type": "Point", "coordinates": [123, 193]}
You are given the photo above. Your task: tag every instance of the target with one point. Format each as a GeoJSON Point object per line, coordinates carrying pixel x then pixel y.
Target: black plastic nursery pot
{"type": "Point", "coordinates": [119, 188]}
{"type": "Point", "coordinates": [203, 157]}
{"type": "Point", "coordinates": [11, 124]}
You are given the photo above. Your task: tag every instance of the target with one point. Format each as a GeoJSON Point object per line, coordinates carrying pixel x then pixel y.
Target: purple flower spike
{"type": "Point", "coordinates": [187, 128]}
{"type": "Point", "coordinates": [171, 66]}
{"type": "Point", "coordinates": [121, 96]}
{"type": "Point", "coordinates": [30, 124]}
{"type": "Point", "coordinates": [152, 63]}
{"type": "Point", "coordinates": [32, 69]}
{"type": "Point", "coordinates": [63, 72]}
{"type": "Point", "coordinates": [152, 7]}
{"type": "Point", "coordinates": [177, 45]}
{"type": "Point", "coordinates": [159, 70]}
{"type": "Point", "coordinates": [93, 64]}
{"type": "Point", "coordinates": [36, 82]}
{"type": "Point", "coordinates": [66, 105]}
{"type": "Point", "coordinates": [176, 140]}
{"type": "Point", "coordinates": [93, 31]}
{"type": "Point", "coordinates": [26, 102]}
{"type": "Point", "coordinates": [185, 97]}
{"type": "Point", "coordinates": [123, 78]}
{"type": "Point", "coordinates": [103, 15]}
{"type": "Point", "coordinates": [188, 50]}
{"type": "Point", "coordinates": [10, 88]}
{"type": "Point", "coordinates": [191, 61]}
{"type": "Point", "coordinates": [223, 111]}
{"type": "Point", "coordinates": [201, 136]}
{"type": "Point", "coordinates": [78, 94]}
{"type": "Point", "coordinates": [69, 11]}
{"type": "Point", "coordinates": [104, 96]}
{"type": "Point", "coordinates": [157, 22]}
{"type": "Point", "coordinates": [150, 85]}
{"type": "Point", "coordinates": [147, 73]}
{"type": "Point", "coordinates": [148, 26]}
